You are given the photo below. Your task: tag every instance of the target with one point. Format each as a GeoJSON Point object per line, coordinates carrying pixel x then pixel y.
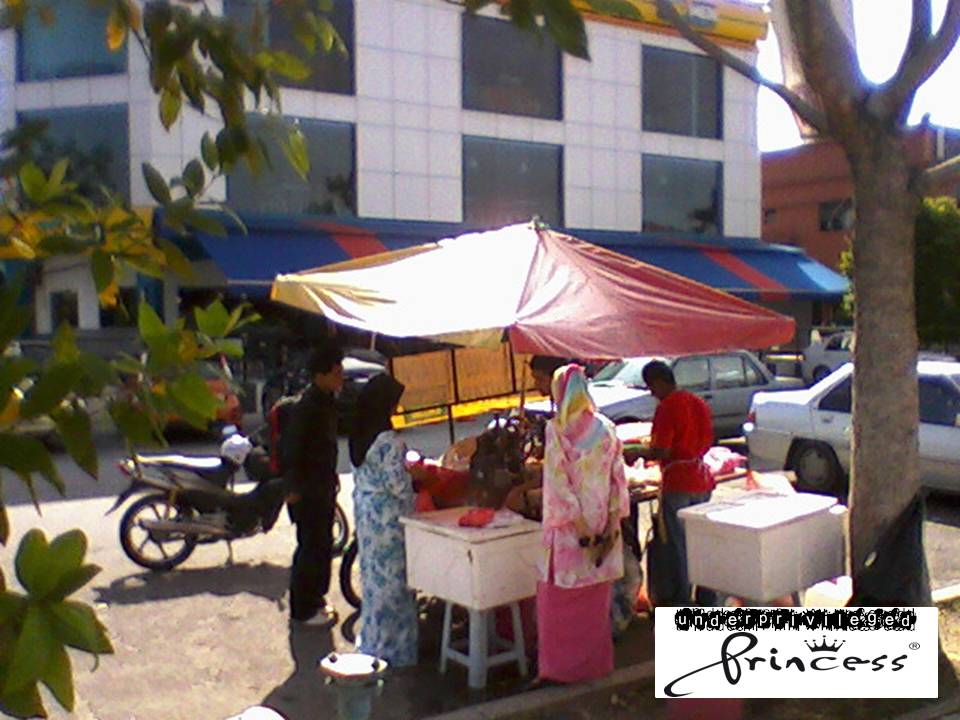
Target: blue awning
{"type": "Point", "coordinates": [279, 244]}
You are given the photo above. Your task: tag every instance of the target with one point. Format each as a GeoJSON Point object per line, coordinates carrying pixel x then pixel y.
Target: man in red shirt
{"type": "Point", "coordinates": [682, 434]}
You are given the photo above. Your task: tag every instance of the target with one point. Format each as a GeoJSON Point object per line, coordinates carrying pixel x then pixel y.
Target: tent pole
{"type": "Point", "coordinates": [453, 435]}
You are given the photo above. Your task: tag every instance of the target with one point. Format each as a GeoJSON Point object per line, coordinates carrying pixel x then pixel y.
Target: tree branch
{"type": "Point", "coordinates": [932, 177]}
{"type": "Point", "coordinates": [801, 107]}
{"type": "Point", "coordinates": [895, 96]}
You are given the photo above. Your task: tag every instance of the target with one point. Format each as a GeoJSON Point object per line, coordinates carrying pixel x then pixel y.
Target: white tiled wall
{"type": "Point", "coordinates": [409, 120]}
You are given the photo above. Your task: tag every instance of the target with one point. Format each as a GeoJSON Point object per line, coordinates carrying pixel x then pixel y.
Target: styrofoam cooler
{"type": "Point", "coordinates": [478, 568]}
{"type": "Point", "coordinates": [761, 546]}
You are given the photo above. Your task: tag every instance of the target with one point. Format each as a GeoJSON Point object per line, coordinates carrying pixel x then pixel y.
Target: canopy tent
{"type": "Point", "coordinates": [551, 293]}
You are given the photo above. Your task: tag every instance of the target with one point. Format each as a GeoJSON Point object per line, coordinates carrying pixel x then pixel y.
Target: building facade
{"type": "Point", "coordinates": [432, 116]}
{"type": "Point", "coordinates": [808, 190]}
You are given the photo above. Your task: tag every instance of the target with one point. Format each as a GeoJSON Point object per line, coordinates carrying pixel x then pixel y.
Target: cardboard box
{"type": "Point", "coordinates": [477, 568]}
{"type": "Point", "coordinates": [761, 546]}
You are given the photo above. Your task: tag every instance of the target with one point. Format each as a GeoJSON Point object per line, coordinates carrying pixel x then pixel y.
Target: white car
{"type": "Point", "coordinates": [823, 357]}
{"type": "Point", "coordinates": [809, 430]}
{"type": "Point", "coordinates": [727, 381]}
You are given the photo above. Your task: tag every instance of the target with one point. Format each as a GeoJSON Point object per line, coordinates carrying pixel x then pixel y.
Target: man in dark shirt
{"type": "Point", "coordinates": [682, 434]}
{"type": "Point", "coordinates": [309, 448]}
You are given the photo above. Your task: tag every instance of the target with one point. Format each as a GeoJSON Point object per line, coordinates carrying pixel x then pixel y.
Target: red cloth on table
{"type": "Point", "coordinates": [477, 517]}
{"type": "Point", "coordinates": [682, 424]}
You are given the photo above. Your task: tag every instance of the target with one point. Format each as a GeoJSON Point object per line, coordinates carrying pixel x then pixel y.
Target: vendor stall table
{"type": "Point", "coordinates": [478, 569]}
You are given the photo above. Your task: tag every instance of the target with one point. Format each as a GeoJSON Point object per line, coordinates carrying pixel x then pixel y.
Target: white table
{"type": "Point", "coordinates": [479, 569]}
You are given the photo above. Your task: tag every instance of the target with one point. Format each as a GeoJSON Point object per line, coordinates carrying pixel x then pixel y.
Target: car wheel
{"type": "Point", "coordinates": [818, 469]}
{"type": "Point", "coordinates": [819, 373]}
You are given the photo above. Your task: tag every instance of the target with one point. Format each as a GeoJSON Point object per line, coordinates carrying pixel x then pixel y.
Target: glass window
{"type": "Point", "coordinates": [682, 93]}
{"type": "Point", "coordinates": [728, 372]}
{"type": "Point", "coordinates": [64, 308]}
{"type": "Point", "coordinates": [692, 373]}
{"type": "Point", "coordinates": [508, 70]}
{"type": "Point", "coordinates": [505, 181]}
{"type": "Point", "coordinates": [754, 376]}
{"type": "Point", "coordinates": [95, 139]}
{"type": "Point", "coordinates": [331, 185]}
{"type": "Point", "coordinates": [840, 398]}
{"type": "Point", "coordinates": [66, 48]}
{"type": "Point", "coordinates": [124, 313]}
{"type": "Point", "coordinates": [681, 195]}
{"type": "Point", "coordinates": [939, 403]}
{"type": "Point", "coordinates": [836, 215]}
{"type": "Point", "coordinates": [330, 71]}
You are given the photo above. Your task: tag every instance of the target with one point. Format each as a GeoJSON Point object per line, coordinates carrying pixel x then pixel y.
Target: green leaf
{"type": "Point", "coordinates": [103, 270]}
{"type": "Point", "coordinates": [565, 24]}
{"type": "Point", "coordinates": [77, 434]}
{"type": "Point", "coordinates": [24, 703]}
{"type": "Point", "coordinates": [33, 652]}
{"type": "Point", "coordinates": [149, 323]}
{"type": "Point", "coordinates": [328, 34]}
{"type": "Point", "coordinates": [325, 6]}
{"type": "Point", "coordinates": [97, 372]}
{"type": "Point", "coordinates": [175, 258]}
{"type": "Point", "coordinates": [12, 605]}
{"type": "Point", "coordinates": [205, 223]}
{"type": "Point", "coordinates": [12, 371]}
{"type": "Point", "coordinates": [65, 348]}
{"type": "Point", "coordinates": [73, 580]}
{"type": "Point", "coordinates": [50, 390]}
{"type": "Point", "coordinates": [156, 184]}
{"type": "Point", "coordinates": [67, 551]}
{"type": "Point", "coordinates": [57, 174]}
{"type": "Point", "coordinates": [33, 182]}
{"type": "Point", "coordinates": [288, 65]}
{"type": "Point", "coordinates": [295, 148]}
{"type": "Point", "coordinates": [208, 149]}
{"type": "Point", "coordinates": [77, 626]}
{"type": "Point", "coordinates": [304, 32]}
{"type": "Point", "coordinates": [26, 455]}
{"type": "Point", "coordinates": [212, 320]}
{"type": "Point", "coordinates": [193, 177]}
{"type": "Point", "coordinates": [194, 400]}
{"type": "Point", "coordinates": [31, 562]}
{"type": "Point", "coordinates": [231, 347]}
{"type": "Point", "coordinates": [133, 423]}
{"type": "Point", "coordinates": [616, 8]}
{"type": "Point", "coordinates": [170, 103]}
{"type": "Point", "coordinates": [57, 675]}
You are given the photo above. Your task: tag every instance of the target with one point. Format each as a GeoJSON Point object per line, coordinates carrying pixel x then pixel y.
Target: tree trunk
{"type": "Point", "coordinates": [884, 477]}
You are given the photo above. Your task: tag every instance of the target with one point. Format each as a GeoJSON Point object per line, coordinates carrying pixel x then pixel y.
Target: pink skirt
{"type": "Point", "coordinates": [575, 640]}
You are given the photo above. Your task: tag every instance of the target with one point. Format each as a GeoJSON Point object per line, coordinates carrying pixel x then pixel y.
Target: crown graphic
{"type": "Point", "coordinates": [824, 646]}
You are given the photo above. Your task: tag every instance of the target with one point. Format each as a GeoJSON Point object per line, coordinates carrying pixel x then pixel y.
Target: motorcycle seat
{"type": "Point", "coordinates": [210, 468]}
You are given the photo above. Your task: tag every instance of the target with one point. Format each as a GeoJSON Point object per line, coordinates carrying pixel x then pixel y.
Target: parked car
{"type": "Point", "coordinates": [727, 381]}
{"type": "Point", "coordinates": [808, 431]}
{"type": "Point", "coordinates": [822, 357]}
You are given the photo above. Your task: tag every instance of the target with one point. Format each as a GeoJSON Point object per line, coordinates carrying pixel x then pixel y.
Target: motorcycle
{"type": "Point", "coordinates": [191, 500]}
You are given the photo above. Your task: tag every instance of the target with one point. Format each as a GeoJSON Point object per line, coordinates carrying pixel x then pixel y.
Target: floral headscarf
{"type": "Point", "coordinates": [576, 418]}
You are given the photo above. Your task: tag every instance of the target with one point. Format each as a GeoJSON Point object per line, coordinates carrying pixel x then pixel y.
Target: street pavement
{"type": "Point", "coordinates": [210, 639]}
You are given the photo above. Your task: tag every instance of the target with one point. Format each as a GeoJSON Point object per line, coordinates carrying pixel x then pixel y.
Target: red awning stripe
{"type": "Point", "coordinates": [769, 288]}
{"type": "Point", "coordinates": [355, 242]}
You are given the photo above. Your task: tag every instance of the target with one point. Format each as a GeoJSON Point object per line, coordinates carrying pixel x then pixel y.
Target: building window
{"type": "Point", "coordinates": [682, 93]}
{"type": "Point", "coordinates": [94, 139]}
{"type": "Point", "coordinates": [505, 181]}
{"type": "Point", "coordinates": [63, 48]}
{"type": "Point", "coordinates": [508, 70]}
{"type": "Point", "coordinates": [124, 313]}
{"type": "Point", "coordinates": [275, 24]}
{"type": "Point", "coordinates": [330, 188]}
{"type": "Point", "coordinates": [836, 215]}
{"type": "Point", "coordinates": [681, 195]}
{"type": "Point", "coordinates": [64, 308]}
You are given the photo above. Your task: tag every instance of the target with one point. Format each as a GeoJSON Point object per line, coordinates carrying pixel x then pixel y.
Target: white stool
{"type": "Point", "coordinates": [482, 640]}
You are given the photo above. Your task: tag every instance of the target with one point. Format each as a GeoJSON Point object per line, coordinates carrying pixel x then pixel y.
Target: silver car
{"type": "Point", "coordinates": [727, 381]}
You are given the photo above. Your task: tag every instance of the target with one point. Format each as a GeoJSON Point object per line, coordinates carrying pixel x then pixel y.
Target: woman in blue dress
{"type": "Point", "coordinates": [382, 493]}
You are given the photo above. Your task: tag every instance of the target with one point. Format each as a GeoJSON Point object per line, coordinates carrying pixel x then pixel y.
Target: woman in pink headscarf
{"type": "Point", "coordinates": [584, 499]}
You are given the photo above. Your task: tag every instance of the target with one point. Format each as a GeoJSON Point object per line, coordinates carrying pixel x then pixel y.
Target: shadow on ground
{"type": "Point", "coordinates": [265, 580]}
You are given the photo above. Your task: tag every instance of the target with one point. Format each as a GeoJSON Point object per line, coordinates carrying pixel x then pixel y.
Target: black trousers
{"type": "Point", "coordinates": [310, 575]}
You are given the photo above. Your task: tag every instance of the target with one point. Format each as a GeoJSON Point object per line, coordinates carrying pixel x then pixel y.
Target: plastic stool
{"type": "Point", "coordinates": [482, 640]}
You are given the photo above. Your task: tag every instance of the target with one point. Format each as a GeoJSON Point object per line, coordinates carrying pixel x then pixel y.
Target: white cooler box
{"type": "Point", "coordinates": [761, 546]}
{"type": "Point", "coordinates": [478, 568]}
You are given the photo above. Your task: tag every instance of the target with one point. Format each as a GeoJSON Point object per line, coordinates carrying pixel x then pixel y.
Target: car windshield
{"type": "Point", "coordinates": [629, 372]}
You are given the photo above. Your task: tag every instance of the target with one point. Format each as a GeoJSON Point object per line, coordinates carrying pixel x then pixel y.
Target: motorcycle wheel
{"type": "Point", "coordinates": [350, 580]}
{"type": "Point", "coordinates": [168, 550]}
{"type": "Point", "coordinates": [341, 530]}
